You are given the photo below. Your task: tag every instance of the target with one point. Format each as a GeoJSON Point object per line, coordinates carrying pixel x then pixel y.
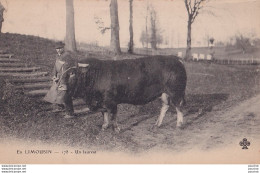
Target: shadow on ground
{"type": "Point", "coordinates": [204, 102]}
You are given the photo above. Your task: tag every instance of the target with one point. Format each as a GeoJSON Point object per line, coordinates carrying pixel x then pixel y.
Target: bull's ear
{"type": "Point", "coordinates": [82, 65]}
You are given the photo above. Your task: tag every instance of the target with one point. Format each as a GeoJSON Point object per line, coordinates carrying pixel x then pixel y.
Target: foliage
{"type": "Point", "coordinates": [242, 43]}
{"type": "Point", "coordinates": [100, 25]}
{"type": "Point", "coordinates": [211, 40]}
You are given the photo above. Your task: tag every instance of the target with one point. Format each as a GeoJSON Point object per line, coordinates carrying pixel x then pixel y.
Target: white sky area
{"type": "Point", "coordinates": [46, 18]}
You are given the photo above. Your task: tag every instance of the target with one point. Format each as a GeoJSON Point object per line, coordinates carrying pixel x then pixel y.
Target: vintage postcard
{"type": "Point", "coordinates": [129, 82]}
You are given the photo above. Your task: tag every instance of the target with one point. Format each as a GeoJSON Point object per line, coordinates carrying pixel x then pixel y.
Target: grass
{"type": "Point", "coordinates": [220, 52]}
{"type": "Point", "coordinates": [210, 87]}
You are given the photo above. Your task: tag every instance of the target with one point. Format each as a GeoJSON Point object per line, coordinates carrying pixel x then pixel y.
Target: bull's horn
{"type": "Point", "coordinates": [82, 65]}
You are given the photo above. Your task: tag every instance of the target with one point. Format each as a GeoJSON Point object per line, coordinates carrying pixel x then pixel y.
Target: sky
{"type": "Point", "coordinates": [220, 19]}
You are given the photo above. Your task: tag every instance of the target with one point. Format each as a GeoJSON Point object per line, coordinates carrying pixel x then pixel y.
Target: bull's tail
{"type": "Point", "coordinates": [183, 102]}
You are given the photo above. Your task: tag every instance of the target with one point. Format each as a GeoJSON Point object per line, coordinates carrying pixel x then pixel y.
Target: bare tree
{"type": "Point", "coordinates": [153, 18]}
{"type": "Point", "coordinates": [193, 7]}
{"type": "Point", "coordinates": [100, 24]}
{"type": "Point", "coordinates": [143, 38]}
{"type": "Point", "coordinates": [131, 32]}
{"type": "Point", "coordinates": [114, 42]}
{"type": "Point", "coordinates": [2, 9]}
{"type": "Point", "coordinates": [156, 37]}
{"type": "Point", "coordinates": [146, 24]}
{"type": "Point", "coordinates": [70, 42]}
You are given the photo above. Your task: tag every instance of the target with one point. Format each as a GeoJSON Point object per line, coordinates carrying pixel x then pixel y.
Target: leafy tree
{"type": "Point", "coordinates": [243, 43]}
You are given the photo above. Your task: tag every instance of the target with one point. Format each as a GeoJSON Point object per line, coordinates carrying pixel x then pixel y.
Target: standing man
{"type": "Point", "coordinates": [58, 94]}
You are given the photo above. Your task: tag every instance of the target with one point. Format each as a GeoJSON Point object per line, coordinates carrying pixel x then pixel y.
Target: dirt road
{"type": "Point", "coordinates": [210, 138]}
{"type": "Point", "coordinates": [211, 130]}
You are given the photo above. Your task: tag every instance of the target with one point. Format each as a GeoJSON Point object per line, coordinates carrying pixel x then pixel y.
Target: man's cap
{"type": "Point", "coordinates": [60, 45]}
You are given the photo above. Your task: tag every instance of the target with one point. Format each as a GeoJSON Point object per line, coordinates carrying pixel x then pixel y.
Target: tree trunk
{"type": "Point", "coordinates": [114, 41]}
{"type": "Point", "coordinates": [153, 30]}
{"type": "Point", "coordinates": [131, 42]}
{"type": "Point", "coordinates": [70, 42]}
{"type": "Point", "coordinates": [2, 9]}
{"type": "Point", "coordinates": [188, 49]}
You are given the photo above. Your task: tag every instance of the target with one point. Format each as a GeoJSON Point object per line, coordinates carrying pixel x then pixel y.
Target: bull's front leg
{"type": "Point", "coordinates": [113, 112]}
{"type": "Point", "coordinates": [106, 120]}
{"type": "Point", "coordinates": [179, 116]}
{"type": "Point", "coordinates": [115, 125]}
{"type": "Point", "coordinates": [110, 106]}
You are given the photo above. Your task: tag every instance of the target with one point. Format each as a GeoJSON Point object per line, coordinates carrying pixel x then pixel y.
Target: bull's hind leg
{"type": "Point", "coordinates": [165, 107]}
{"type": "Point", "coordinates": [179, 116]}
{"type": "Point", "coordinates": [115, 125]}
{"type": "Point", "coordinates": [179, 105]}
{"type": "Point", "coordinates": [113, 109]}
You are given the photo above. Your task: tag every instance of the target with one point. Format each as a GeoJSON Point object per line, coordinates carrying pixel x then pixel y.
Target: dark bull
{"type": "Point", "coordinates": [105, 84]}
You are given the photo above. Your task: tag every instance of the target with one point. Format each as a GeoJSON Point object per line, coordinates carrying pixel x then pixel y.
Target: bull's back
{"type": "Point", "coordinates": [142, 80]}
{"type": "Point", "coordinates": [135, 81]}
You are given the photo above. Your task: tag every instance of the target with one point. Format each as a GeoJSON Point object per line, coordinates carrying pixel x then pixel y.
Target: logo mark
{"type": "Point", "coordinates": [244, 143]}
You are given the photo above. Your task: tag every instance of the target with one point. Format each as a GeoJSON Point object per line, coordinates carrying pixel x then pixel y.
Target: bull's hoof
{"type": "Point", "coordinates": [104, 127]}
{"type": "Point", "coordinates": [154, 128]}
{"type": "Point", "coordinates": [180, 126]}
{"type": "Point", "coordinates": [117, 129]}
{"type": "Point", "coordinates": [68, 116]}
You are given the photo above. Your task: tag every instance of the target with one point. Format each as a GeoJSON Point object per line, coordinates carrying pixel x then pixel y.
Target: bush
{"type": "Point", "coordinates": [242, 43]}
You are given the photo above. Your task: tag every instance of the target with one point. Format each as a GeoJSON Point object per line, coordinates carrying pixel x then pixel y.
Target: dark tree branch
{"type": "Point", "coordinates": [190, 8]}
{"type": "Point", "coordinates": [193, 8]}
{"type": "Point", "coordinates": [186, 5]}
{"type": "Point", "coordinates": [100, 25]}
